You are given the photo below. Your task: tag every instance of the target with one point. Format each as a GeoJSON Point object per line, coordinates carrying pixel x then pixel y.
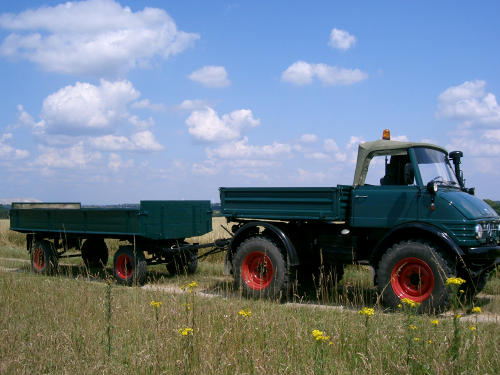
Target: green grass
{"type": "Point", "coordinates": [59, 324]}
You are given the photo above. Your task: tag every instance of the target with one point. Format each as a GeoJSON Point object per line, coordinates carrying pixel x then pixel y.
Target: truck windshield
{"type": "Point", "coordinates": [435, 166]}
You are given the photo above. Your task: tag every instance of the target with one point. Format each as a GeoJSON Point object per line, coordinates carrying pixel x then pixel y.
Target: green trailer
{"type": "Point", "coordinates": [154, 232]}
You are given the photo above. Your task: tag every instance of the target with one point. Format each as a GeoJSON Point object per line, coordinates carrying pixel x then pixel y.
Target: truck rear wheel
{"type": "Point", "coordinates": [43, 257]}
{"type": "Point", "coordinates": [95, 253]}
{"type": "Point", "coordinates": [417, 271]}
{"type": "Point", "coordinates": [259, 268]}
{"type": "Point", "coordinates": [129, 266]}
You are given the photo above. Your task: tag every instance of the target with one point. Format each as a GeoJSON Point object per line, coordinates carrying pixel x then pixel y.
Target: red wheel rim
{"type": "Point", "coordinates": [39, 259]}
{"type": "Point", "coordinates": [257, 270]}
{"type": "Point", "coordinates": [412, 278]}
{"type": "Point", "coordinates": [124, 266]}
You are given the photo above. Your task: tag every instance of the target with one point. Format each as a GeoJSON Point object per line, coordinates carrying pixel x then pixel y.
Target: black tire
{"type": "Point", "coordinates": [43, 257]}
{"type": "Point", "coordinates": [95, 253]}
{"type": "Point", "coordinates": [129, 266]}
{"type": "Point", "coordinates": [260, 269]}
{"type": "Point", "coordinates": [184, 263]}
{"type": "Point", "coordinates": [415, 270]}
{"type": "Point", "coordinates": [473, 285]}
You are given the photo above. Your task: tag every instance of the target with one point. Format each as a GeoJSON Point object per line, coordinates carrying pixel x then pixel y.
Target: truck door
{"type": "Point", "coordinates": [390, 196]}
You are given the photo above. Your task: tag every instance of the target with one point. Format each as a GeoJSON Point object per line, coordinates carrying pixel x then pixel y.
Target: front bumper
{"type": "Point", "coordinates": [479, 259]}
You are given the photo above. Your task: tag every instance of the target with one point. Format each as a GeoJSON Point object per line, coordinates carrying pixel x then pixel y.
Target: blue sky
{"type": "Point", "coordinates": [111, 102]}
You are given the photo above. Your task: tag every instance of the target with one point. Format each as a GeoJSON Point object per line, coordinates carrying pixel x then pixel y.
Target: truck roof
{"type": "Point", "coordinates": [367, 150]}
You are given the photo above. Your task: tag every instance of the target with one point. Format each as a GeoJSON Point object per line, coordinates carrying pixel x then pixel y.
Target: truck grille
{"type": "Point", "coordinates": [491, 231]}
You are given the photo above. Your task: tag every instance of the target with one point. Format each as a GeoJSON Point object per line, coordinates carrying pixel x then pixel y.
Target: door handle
{"type": "Point", "coordinates": [361, 196]}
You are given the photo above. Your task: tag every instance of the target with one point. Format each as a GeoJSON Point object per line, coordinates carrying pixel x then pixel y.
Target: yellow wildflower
{"type": "Point", "coordinates": [245, 313]}
{"type": "Point", "coordinates": [416, 339]}
{"type": "Point", "coordinates": [187, 306]}
{"type": "Point", "coordinates": [413, 326]}
{"type": "Point", "coordinates": [458, 316]}
{"type": "Point", "coordinates": [462, 291]}
{"type": "Point", "coordinates": [410, 302]}
{"type": "Point", "coordinates": [435, 322]}
{"type": "Point", "coordinates": [476, 310]}
{"type": "Point", "coordinates": [189, 287]}
{"type": "Point", "coordinates": [454, 281]}
{"type": "Point", "coordinates": [472, 328]}
{"type": "Point", "coordinates": [185, 331]}
{"type": "Point", "coordinates": [156, 304]}
{"type": "Point", "coordinates": [400, 305]}
{"type": "Point", "coordinates": [429, 341]}
{"type": "Point", "coordinates": [320, 336]}
{"type": "Point", "coordinates": [366, 311]}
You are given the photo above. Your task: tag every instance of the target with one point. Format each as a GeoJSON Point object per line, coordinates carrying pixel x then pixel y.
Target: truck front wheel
{"type": "Point", "coordinates": [43, 257]}
{"type": "Point", "coordinates": [129, 266]}
{"type": "Point", "coordinates": [259, 268]}
{"type": "Point", "coordinates": [473, 285]}
{"type": "Point", "coordinates": [417, 271]}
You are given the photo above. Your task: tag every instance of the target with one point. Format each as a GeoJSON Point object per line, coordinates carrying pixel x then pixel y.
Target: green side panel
{"type": "Point", "coordinates": [285, 203]}
{"type": "Point", "coordinates": [84, 220]}
{"type": "Point", "coordinates": [155, 220]}
{"type": "Point", "coordinates": [175, 219]}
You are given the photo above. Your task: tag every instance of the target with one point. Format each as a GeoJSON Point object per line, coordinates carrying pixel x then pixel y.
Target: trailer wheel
{"type": "Point", "coordinates": [186, 262]}
{"type": "Point", "coordinates": [43, 257]}
{"type": "Point", "coordinates": [417, 271]}
{"type": "Point", "coordinates": [259, 268]}
{"type": "Point", "coordinates": [95, 253]}
{"type": "Point", "coordinates": [129, 266]}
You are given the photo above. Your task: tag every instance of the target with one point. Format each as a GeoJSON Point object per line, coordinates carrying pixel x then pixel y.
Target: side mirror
{"type": "Point", "coordinates": [432, 187]}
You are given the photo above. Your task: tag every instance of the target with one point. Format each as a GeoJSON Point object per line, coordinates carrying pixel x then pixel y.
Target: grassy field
{"type": "Point", "coordinates": [75, 322]}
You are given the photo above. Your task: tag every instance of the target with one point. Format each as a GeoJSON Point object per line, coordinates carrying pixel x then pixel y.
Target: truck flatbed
{"type": "Point", "coordinates": [286, 203]}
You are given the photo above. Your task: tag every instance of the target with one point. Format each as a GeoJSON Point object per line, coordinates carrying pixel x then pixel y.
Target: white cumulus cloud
{"type": "Point", "coordinates": [242, 150]}
{"type": "Point", "coordinates": [341, 39]}
{"type": "Point", "coordinates": [470, 104]}
{"type": "Point", "coordinates": [211, 76]}
{"type": "Point", "coordinates": [7, 152]}
{"type": "Point", "coordinates": [94, 37]}
{"type": "Point", "coordinates": [85, 108]}
{"type": "Point", "coordinates": [303, 73]}
{"type": "Point", "coordinates": [308, 138]}
{"type": "Point", "coordinates": [141, 141]}
{"type": "Point", "coordinates": [206, 125]}
{"type": "Point", "coordinates": [71, 157]}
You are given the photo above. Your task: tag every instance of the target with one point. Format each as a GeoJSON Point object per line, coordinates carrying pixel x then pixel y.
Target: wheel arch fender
{"type": "Point", "coordinates": [409, 231]}
{"type": "Point", "coordinates": [277, 232]}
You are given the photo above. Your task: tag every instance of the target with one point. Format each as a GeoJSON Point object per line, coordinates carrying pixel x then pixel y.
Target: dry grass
{"type": "Point", "coordinates": [59, 324]}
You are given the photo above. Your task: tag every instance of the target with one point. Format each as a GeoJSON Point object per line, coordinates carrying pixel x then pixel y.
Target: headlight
{"type": "Point", "coordinates": [479, 231]}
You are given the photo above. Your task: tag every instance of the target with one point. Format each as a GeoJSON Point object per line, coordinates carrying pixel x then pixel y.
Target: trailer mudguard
{"type": "Point", "coordinates": [412, 231]}
{"type": "Point", "coordinates": [248, 230]}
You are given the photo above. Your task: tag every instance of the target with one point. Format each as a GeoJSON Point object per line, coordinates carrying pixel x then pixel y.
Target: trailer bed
{"type": "Point", "coordinates": [155, 220]}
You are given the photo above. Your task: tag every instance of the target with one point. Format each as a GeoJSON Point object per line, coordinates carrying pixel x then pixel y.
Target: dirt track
{"type": "Point", "coordinates": [481, 318]}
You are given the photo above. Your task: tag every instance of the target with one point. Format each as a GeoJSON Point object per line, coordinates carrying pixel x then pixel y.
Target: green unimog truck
{"type": "Point", "coordinates": [407, 214]}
